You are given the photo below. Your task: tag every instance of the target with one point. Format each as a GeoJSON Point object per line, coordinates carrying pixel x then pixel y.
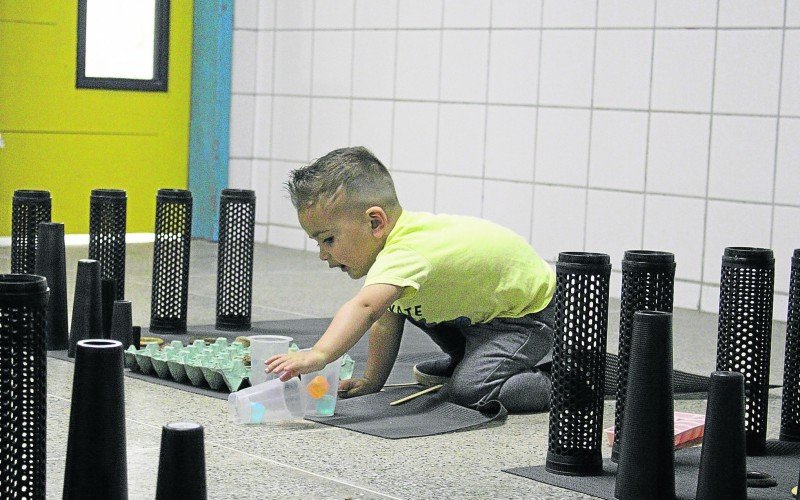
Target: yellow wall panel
{"type": "Point", "coordinates": [70, 141]}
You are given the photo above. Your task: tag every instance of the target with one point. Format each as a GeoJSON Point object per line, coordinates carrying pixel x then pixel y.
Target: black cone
{"type": "Point", "coordinates": [87, 321]}
{"type": "Point", "coordinates": [108, 292]}
{"type": "Point", "coordinates": [96, 465]}
{"type": "Point", "coordinates": [121, 319]}
{"type": "Point", "coordinates": [646, 463]}
{"type": "Point", "coordinates": [182, 463]}
{"type": "Point", "coordinates": [723, 463]}
{"type": "Point", "coordinates": [51, 263]}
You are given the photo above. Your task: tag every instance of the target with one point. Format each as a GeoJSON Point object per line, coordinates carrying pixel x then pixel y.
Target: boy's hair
{"type": "Point", "coordinates": [353, 172]}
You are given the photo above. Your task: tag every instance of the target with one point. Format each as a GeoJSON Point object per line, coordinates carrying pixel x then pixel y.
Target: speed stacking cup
{"type": "Point", "coordinates": [579, 363]}
{"type": "Point", "coordinates": [647, 284]}
{"type": "Point", "coordinates": [271, 400]}
{"type": "Point", "coordinates": [723, 467]}
{"type": "Point", "coordinates": [262, 347]}
{"type": "Point", "coordinates": [29, 208]}
{"type": "Point", "coordinates": [745, 332]}
{"type": "Point", "coordinates": [646, 462]}
{"type": "Point", "coordinates": [322, 388]}
{"type": "Point", "coordinates": [790, 404]}
{"type": "Point", "coordinates": [23, 379]}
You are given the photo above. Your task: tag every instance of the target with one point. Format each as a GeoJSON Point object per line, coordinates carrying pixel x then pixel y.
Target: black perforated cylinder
{"type": "Point", "coordinates": [646, 462]}
{"type": "Point", "coordinates": [790, 404]}
{"type": "Point", "coordinates": [182, 462]}
{"type": "Point", "coordinates": [237, 219]}
{"type": "Point", "coordinates": [51, 263]}
{"type": "Point", "coordinates": [29, 208]}
{"type": "Point", "coordinates": [107, 223]}
{"type": "Point", "coordinates": [579, 356]}
{"type": "Point", "coordinates": [170, 289]}
{"type": "Point", "coordinates": [648, 283]}
{"type": "Point", "coordinates": [96, 464]}
{"type": "Point", "coordinates": [723, 464]}
{"type": "Point", "coordinates": [745, 332]}
{"type": "Point", "coordinates": [23, 378]}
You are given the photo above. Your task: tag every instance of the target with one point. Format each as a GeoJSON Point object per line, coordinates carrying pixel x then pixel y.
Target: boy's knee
{"type": "Point", "coordinates": [467, 395]}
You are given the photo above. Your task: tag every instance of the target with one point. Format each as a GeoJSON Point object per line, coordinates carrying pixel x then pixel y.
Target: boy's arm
{"type": "Point", "coordinates": [349, 324]}
{"type": "Point", "coordinates": [384, 342]}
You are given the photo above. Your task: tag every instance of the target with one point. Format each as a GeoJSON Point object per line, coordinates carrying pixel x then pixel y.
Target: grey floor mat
{"type": "Point", "coordinates": [781, 462]}
{"type": "Point", "coordinates": [424, 416]}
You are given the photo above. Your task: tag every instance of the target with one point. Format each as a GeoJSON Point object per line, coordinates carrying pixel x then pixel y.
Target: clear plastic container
{"type": "Point", "coordinates": [262, 347]}
{"type": "Point", "coordinates": [321, 390]}
{"type": "Point", "coordinates": [268, 401]}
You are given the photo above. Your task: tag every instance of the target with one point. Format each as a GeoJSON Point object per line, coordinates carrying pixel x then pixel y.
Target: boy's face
{"type": "Point", "coordinates": [346, 240]}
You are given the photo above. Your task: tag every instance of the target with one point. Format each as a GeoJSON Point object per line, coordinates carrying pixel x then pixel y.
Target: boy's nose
{"type": "Point", "coordinates": [323, 255]}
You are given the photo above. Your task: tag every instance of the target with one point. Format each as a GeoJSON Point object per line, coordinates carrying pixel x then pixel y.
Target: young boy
{"type": "Point", "coordinates": [477, 289]}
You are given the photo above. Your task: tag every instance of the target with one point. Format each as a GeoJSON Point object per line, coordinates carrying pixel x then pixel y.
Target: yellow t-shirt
{"type": "Point", "coordinates": [456, 267]}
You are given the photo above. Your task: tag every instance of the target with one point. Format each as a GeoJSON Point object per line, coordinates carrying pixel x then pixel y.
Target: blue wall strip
{"type": "Point", "coordinates": [209, 123]}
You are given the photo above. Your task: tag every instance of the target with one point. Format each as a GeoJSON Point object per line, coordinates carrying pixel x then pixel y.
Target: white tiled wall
{"type": "Point", "coordinates": [597, 125]}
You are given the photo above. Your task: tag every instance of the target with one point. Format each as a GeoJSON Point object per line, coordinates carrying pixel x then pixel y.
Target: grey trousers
{"type": "Point", "coordinates": [506, 360]}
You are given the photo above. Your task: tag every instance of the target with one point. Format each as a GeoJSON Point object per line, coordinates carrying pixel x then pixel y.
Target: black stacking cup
{"type": "Point", "coordinates": [579, 361]}
{"type": "Point", "coordinates": [96, 465]}
{"type": "Point", "coordinates": [790, 404]}
{"type": "Point", "coordinates": [182, 463]}
{"type": "Point", "coordinates": [647, 284]}
{"type": "Point", "coordinates": [723, 467]}
{"type": "Point", "coordinates": [87, 317]}
{"type": "Point", "coordinates": [121, 319]}
{"type": "Point", "coordinates": [51, 263]}
{"type": "Point", "coordinates": [23, 382]}
{"type": "Point", "coordinates": [646, 463]}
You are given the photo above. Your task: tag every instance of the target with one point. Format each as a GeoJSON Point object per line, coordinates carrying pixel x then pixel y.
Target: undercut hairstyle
{"type": "Point", "coordinates": [354, 173]}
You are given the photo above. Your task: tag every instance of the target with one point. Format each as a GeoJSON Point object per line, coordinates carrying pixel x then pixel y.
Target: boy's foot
{"type": "Point", "coordinates": [434, 371]}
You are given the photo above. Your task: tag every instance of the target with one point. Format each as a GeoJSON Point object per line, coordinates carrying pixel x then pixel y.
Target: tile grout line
{"type": "Point", "coordinates": [708, 160]}
{"type": "Point", "coordinates": [591, 128]}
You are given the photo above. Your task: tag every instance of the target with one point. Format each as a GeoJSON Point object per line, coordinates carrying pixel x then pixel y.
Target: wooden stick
{"type": "Point", "coordinates": [402, 384]}
{"type": "Point", "coordinates": [416, 395]}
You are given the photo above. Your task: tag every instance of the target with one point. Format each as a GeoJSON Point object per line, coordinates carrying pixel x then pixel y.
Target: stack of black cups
{"type": "Point", "coordinates": [579, 362]}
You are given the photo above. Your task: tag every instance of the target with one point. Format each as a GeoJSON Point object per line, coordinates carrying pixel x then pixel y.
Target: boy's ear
{"type": "Point", "coordinates": [378, 221]}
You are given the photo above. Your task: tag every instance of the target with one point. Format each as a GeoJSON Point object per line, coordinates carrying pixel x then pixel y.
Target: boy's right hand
{"type": "Point", "coordinates": [295, 363]}
{"type": "Point", "coordinates": [356, 387]}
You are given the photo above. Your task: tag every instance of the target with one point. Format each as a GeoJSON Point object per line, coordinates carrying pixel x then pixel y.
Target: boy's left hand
{"type": "Point", "coordinates": [295, 363]}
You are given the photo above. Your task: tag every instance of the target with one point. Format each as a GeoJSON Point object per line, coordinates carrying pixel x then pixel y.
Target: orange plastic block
{"type": "Point", "coordinates": [317, 387]}
{"type": "Point", "coordinates": [689, 428]}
